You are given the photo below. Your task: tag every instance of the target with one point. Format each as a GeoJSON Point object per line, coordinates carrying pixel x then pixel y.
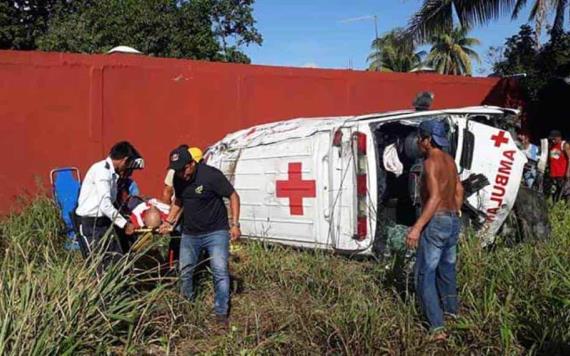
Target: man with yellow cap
{"type": "Point", "coordinates": [168, 197]}
{"type": "Point", "coordinates": [168, 192]}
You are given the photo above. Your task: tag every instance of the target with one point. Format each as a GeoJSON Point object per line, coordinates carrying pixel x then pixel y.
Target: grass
{"type": "Point", "coordinates": [514, 300]}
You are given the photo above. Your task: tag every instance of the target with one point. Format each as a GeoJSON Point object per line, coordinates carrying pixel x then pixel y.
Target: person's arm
{"type": "Point", "coordinates": [168, 190]}
{"type": "Point", "coordinates": [175, 210]}
{"type": "Point", "coordinates": [459, 194]}
{"type": "Point", "coordinates": [429, 208]}
{"type": "Point", "coordinates": [567, 153]}
{"type": "Point", "coordinates": [103, 182]}
{"type": "Point", "coordinates": [235, 231]}
{"type": "Point", "coordinates": [224, 188]}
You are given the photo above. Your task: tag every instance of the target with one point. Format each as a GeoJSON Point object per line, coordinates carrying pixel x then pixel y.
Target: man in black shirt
{"type": "Point", "coordinates": [199, 190]}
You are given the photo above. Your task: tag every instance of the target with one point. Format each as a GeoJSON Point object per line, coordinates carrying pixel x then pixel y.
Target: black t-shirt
{"type": "Point", "coordinates": [201, 196]}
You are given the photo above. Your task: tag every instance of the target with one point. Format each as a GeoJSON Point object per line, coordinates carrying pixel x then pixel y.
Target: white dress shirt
{"type": "Point", "coordinates": [98, 192]}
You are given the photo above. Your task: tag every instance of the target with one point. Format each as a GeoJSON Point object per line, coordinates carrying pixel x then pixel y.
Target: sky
{"type": "Point", "coordinates": [316, 33]}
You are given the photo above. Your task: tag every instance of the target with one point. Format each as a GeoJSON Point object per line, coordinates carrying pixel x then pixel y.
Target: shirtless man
{"type": "Point", "coordinates": [436, 231]}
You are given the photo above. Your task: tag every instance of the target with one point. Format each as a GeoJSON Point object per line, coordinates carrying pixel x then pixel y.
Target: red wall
{"type": "Point", "coordinates": [66, 109]}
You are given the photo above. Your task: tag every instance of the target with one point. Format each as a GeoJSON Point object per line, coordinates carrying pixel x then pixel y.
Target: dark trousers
{"type": "Point", "coordinates": [92, 240]}
{"type": "Point", "coordinates": [558, 188]}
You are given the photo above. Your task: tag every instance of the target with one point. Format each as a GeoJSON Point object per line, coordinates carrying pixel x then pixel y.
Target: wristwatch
{"type": "Point", "coordinates": [235, 224]}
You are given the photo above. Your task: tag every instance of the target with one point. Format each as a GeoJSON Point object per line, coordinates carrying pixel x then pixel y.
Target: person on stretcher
{"type": "Point", "coordinates": [148, 214]}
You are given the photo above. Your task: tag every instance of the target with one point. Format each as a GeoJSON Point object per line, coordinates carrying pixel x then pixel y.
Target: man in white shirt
{"type": "Point", "coordinates": [98, 193]}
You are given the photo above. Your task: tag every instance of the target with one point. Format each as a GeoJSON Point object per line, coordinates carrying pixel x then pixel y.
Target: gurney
{"type": "Point", "coordinates": [65, 183]}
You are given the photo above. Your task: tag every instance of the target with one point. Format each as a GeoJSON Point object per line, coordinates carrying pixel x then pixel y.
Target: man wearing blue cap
{"type": "Point", "coordinates": [436, 231]}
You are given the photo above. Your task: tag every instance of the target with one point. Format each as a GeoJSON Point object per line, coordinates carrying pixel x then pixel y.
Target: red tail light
{"type": "Point", "coordinates": [360, 143]}
{"type": "Point", "coordinates": [362, 228]}
{"type": "Point", "coordinates": [361, 185]}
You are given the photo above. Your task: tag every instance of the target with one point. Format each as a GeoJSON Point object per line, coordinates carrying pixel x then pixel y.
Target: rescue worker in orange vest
{"type": "Point", "coordinates": [558, 156]}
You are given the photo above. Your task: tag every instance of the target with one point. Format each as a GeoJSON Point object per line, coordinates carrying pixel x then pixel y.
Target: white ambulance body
{"type": "Point", "coordinates": [325, 182]}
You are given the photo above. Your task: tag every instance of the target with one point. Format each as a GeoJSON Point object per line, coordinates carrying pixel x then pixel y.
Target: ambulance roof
{"type": "Point", "coordinates": [304, 127]}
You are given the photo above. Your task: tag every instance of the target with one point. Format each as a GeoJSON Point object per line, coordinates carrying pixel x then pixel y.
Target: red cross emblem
{"type": "Point", "coordinates": [500, 139]}
{"type": "Point", "coordinates": [295, 188]}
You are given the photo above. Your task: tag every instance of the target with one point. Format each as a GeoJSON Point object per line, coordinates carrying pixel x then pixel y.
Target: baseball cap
{"type": "Point", "coordinates": [555, 133]}
{"type": "Point", "coordinates": [436, 129]}
{"type": "Point", "coordinates": [196, 154]}
{"type": "Point", "coordinates": [179, 158]}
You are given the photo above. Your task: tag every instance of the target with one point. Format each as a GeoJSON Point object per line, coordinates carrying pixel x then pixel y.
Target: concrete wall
{"type": "Point", "coordinates": [67, 109]}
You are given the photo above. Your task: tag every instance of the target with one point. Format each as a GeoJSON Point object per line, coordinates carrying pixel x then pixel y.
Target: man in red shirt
{"type": "Point", "coordinates": [558, 155]}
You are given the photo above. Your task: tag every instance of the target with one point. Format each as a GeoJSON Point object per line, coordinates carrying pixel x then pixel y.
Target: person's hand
{"type": "Point", "coordinates": [165, 228]}
{"type": "Point", "coordinates": [129, 229]}
{"type": "Point", "coordinates": [413, 238]}
{"type": "Point", "coordinates": [235, 233]}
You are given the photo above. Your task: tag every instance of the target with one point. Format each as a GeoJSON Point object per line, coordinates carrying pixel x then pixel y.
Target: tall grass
{"type": "Point", "coordinates": [514, 300]}
{"type": "Point", "coordinates": [52, 302]}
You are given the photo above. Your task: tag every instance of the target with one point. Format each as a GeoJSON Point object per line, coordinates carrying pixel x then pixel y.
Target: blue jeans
{"type": "Point", "coordinates": [435, 276]}
{"type": "Point", "coordinates": [217, 245]}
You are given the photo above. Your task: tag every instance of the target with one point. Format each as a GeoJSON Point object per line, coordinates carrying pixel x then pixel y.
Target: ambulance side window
{"type": "Point", "coordinates": [467, 150]}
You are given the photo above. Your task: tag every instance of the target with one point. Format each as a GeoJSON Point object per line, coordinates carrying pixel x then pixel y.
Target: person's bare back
{"type": "Point", "coordinates": [442, 167]}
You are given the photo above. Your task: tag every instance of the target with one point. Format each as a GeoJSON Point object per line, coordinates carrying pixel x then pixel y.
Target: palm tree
{"type": "Point", "coordinates": [436, 16]}
{"type": "Point", "coordinates": [451, 53]}
{"type": "Point", "coordinates": [539, 14]}
{"type": "Point", "coordinates": [393, 53]}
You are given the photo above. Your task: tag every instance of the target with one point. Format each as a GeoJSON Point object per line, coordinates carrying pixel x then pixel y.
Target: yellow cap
{"type": "Point", "coordinates": [196, 153]}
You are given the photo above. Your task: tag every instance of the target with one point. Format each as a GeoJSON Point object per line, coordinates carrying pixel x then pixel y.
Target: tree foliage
{"type": "Point", "coordinates": [393, 53]}
{"type": "Point", "coordinates": [198, 29]}
{"type": "Point", "coordinates": [451, 53]}
{"type": "Point", "coordinates": [521, 55]}
{"type": "Point", "coordinates": [437, 16]}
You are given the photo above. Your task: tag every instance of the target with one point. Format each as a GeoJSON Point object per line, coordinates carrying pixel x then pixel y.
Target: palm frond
{"type": "Point", "coordinates": [518, 7]}
{"type": "Point", "coordinates": [558, 25]}
{"type": "Point", "coordinates": [435, 16]}
{"type": "Point", "coordinates": [472, 54]}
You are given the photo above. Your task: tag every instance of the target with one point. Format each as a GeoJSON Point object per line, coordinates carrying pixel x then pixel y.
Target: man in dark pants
{"type": "Point", "coordinates": [436, 231]}
{"type": "Point", "coordinates": [95, 208]}
{"type": "Point", "coordinates": [200, 190]}
{"type": "Point", "coordinates": [558, 158]}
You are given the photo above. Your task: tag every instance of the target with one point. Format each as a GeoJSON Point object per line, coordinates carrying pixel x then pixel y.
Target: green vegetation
{"type": "Point", "coordinates": [437, 16]}
{"type": "Point", "coordinates": [515, 300]}
{"type": "Point", "coordinates": [451, 53]}
{"type": "Point", "coordinates": [200, 29]}
{"type": "Point", "coordinates": [391, 53]}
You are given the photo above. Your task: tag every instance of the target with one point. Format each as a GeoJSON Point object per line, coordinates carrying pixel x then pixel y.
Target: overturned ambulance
{"type": "Point", "coordinates": [351, 184]}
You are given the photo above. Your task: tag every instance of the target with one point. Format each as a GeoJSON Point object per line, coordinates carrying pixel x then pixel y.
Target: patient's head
{"type": "Point", "coordinates": [151, 218]}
